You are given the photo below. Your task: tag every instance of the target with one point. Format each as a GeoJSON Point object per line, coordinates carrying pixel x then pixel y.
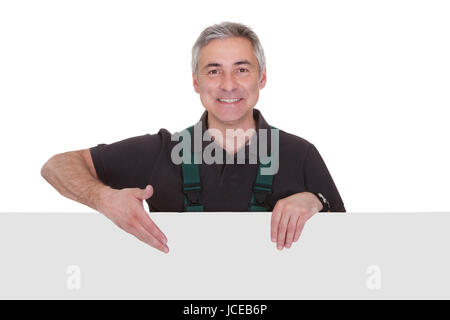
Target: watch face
{"type": "Point", "coordinates": [325, 203]}
{"type": "Point", "coordinates": [322, 198]}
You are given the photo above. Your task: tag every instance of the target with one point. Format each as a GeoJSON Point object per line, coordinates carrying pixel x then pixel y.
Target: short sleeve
{"type": "Point", "coordinates": [319, 180]}
{"type": "Point", "coordinates": [127, 163]}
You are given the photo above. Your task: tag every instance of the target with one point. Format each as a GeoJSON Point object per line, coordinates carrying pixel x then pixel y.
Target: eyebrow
{"type": "Point", "coordinates": [238, 63]}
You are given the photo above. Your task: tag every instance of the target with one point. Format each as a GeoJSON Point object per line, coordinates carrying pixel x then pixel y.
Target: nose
{"type": "Point", "coordinates": [228, 82]}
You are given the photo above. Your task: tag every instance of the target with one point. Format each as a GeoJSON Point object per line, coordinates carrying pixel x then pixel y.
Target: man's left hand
{"type": "Point", "coordinates": [290, 215]}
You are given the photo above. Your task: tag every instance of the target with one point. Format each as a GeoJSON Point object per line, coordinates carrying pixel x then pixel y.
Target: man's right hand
{"type": "Point", "coordinates": [124, 207]}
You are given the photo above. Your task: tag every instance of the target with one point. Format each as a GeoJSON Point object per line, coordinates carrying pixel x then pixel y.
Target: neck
{"type": "Point", "coordinates": [232, 143]}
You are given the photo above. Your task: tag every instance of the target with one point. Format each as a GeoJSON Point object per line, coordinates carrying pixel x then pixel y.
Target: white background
{"type": "Point", "coordinates": [367, 82]}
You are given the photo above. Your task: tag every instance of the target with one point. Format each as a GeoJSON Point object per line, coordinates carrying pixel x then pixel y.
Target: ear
{"type": "Point", "coordinates": [195, 83]}
{"type": "Point", "coordinates": [262, 82]}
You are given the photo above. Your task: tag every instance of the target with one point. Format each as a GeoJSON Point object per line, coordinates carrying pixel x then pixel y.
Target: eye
{"type": "Point", "coordinates": [242, 70]}
{"type": "Point", "coordinates": [213, 72]}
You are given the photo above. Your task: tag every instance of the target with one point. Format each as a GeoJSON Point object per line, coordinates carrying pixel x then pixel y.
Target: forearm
{"type": "Point", "coordinates": [70, 176]}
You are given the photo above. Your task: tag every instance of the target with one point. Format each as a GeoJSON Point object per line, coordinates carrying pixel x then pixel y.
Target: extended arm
{"type": "Point", "coordinates": [73, 175]}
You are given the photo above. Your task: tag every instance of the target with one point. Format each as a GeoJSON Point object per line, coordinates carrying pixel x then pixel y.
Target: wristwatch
{"type": "Point", "coordinates": [324, 201]}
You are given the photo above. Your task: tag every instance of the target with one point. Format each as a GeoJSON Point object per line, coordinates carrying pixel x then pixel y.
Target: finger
{"type": "Point", "coordinates": [151, 227]}
{"type": "Point", "coordinates": [282, 230]}
{"type": "Point", "coordinates": [299, 229]}
{"type": "Point", "coordinates": [276, 216]}
{"type": "Point", "coordinates": [144, 194]}
{"type": "Point", "coordinates": [148, 238]}
{"type": "Point", "coordinates": [291, 231]}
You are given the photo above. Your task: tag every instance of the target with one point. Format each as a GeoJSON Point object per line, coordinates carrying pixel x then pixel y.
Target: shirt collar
{"type": "Point", "coordinates": [260, 122]}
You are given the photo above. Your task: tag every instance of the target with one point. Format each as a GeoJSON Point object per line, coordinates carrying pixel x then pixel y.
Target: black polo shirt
{"type": "Point", "coordinates": [139, 161]}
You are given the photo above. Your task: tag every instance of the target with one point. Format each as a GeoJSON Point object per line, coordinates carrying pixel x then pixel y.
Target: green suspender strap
{"type": "Point", "coordinates": [262, 188]}
{"type": "Point", "coordinates": [191, 182]}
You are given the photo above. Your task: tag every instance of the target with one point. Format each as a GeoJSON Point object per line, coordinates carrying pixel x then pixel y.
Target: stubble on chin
{"type": "Point", "coordinates": [231, 122]}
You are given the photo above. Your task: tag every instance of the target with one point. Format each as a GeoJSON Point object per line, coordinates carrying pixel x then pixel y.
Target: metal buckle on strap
{"type": "Point", "coordinates": [193, 193]}
{"type": "Point", "coordinates": [262, 193]}
{"type": "Point", "coordinates": [261, 198]}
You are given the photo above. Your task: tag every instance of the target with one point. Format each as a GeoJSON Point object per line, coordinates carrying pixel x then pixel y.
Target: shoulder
{"type": "Point", "coordinates": [292, 143]}
{"type": "Point", "coordinates": [147, 144]}
{"type": "Point", "coordinates": [152, 143]}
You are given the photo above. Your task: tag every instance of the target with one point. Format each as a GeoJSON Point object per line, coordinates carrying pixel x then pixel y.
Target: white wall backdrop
{"type": "Point", "coordinates": [368, 82]}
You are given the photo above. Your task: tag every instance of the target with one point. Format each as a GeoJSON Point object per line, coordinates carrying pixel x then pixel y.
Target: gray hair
{"type": "Point", "coordinates": [226, 30]}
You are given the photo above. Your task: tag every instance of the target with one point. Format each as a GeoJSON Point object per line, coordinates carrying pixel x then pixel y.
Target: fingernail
{"type": "Point", "coordinates": [279, 247]}
{"type": "Point", "coordinates": [166, 250]}
{"type": "Point", "coordinates": [273, 239]}
{"type": "Point", "coordinates": [288, 246]}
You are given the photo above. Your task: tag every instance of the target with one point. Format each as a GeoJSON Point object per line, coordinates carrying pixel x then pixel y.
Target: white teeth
{"type": "Point", "coordinates": [229, 100]}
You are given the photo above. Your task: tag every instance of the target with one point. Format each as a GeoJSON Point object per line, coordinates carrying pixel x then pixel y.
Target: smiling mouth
{"type": "Point", "coordinates": [230, 101]}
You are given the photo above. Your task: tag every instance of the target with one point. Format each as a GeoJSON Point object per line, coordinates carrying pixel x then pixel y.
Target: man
{"type": "Point", "coordinates": [228, 70]}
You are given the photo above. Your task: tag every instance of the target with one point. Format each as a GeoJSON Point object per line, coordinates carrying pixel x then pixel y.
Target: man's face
{"type": "Point", "coordinates": [228, 79]}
